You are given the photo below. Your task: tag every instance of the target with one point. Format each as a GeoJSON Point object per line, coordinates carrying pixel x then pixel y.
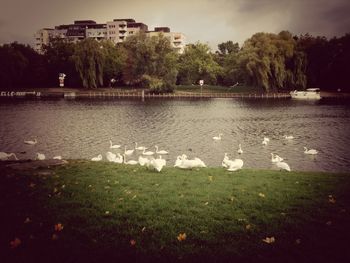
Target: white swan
{"type": "Point", "coordinates": [283, 166]}
{"type": "Point", "coordinates": [119, 158]}
{"type": "Point", "coordinates": [217, 138]}
{"type": "Point", "coordinates": [5, 156]}
{"type": "Point", "coordinates": [131, 162]}
{"type": "Point", "coordinates": [275, 158]}
{"type": "Point", "coordinates": [115, 146]}
{"type": "Point", "coordinates": [40, 156]}
{"type": "Point", "coordinates": [148, 153]}
{"type": "Point", "coordinates": [143, 161]}
{"type": "Point", "coordinates": [265, 141]}
{"type": "Point", "coordinates": [226, 161]}
{"type": "Point", "coordinates": [161, 151]}
{"type": "Point", "coordinates": [97, 158]}
{"type": "Point", "coordinates": [289, 137]}
{"type": "Point", "coordinates": [178, 161]}
{"type": "Point", "coordinates": [311, 151]}
{"type": "Point", "coordinates": [31, 142]}
{"type": "Point", "coordinates": [140, 148]}
{"type": "Point", "coordinates": [240, 151]}
{"type": "Point", "coordinates": [128, 152]}
{"type": "Point", "coordinates": [189, 164]}
{"type": "Point", "coordinates": [157, 164]}
{"type": "Point", "coordinates": [235, 165]}
{"type": "Point", "coordinates": [58, 157]}
{"type": "Point", "coordinates": [111, 156]}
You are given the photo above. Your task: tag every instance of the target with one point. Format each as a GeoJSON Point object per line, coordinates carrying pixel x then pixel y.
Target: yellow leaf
{"type": "Point", "coordinates": [261, 195]}
{"type": "Point", "coordinates": [181, 237]}
{"type": "Point", "coordinates": [248, 227]}
{"type": "Point", "coordinates": [58, 227]}
{"type": "Point", "coordinates": [210, 178]}
{"type": "Point", "coordinates": [269, 240]}
{"type": "Point", "coordinates": [206, 203]}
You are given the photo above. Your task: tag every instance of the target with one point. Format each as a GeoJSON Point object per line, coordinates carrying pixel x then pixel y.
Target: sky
{"type": "Point", "coordinates": [207, 21]}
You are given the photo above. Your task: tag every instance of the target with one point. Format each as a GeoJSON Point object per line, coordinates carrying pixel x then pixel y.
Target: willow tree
{"type": "Point", "coordinates": [89, 59]}
{"type": "Point", "coordinates": [273, 61]}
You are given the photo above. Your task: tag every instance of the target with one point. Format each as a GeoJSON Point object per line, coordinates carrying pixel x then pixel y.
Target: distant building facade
{"type": "Point", "coordinates": [116, 31]}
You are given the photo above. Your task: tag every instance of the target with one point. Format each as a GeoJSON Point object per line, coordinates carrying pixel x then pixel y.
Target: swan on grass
{"type": "Point", "coordinates": [283, 166]}
{"type": "Point", "coordinates": [31, 142]}
{"type": "Point", "coordinates": [119, 158]}
{"type": "Point", "coordinates": [217, 138]}
{"type": "Point", "coordinates": [161, 151]}
{"type": "Point", "coordinates": [139, 148]}
{"type": "Point", "coordinates": [157, 164]}
{"type": "Point", "coordinates": [97, 158]}
{"type": "Point", "coordinates": [189, 164]}
{"type": "Point", "coordinates": [40, 156]}
{"type": "Point", "coordinates": [111, 156]}
{"type": "Point", "coordinates": [5, 156]}
{"type": "Point", "coordinates": [275, 158]}
{"type": "Point", "coordinates": [148, 153]}
{"type": "Point", "coordinates": [235, 165]}
{"type": "Point", "coordinates": [143, 161]}
{"type": "Point", "coordinates": [128, 152]}
{"type": "Point", "coordinates": [131, 162]}
{"type": "Point", "coordinates": [310, 151]}
{"type": "Point", "coordinates": [240, 151]}
{"type": "Point", "coordinates": [115, 146]}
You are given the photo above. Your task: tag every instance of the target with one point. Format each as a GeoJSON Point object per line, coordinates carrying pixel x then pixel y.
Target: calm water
{"type": "Point", "coordinates": [82, 129]}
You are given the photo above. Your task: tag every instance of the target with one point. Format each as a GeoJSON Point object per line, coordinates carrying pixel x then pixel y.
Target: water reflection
{"type": "Point", "coordinates": [83, 128]}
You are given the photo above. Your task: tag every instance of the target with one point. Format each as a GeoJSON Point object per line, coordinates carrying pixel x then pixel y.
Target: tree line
{"type": "Point", "coordinates": [270, 62]}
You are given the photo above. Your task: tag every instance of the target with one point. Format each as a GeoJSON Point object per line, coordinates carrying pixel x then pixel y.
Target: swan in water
{"type": "Point", "coordinates": [240, 151]}
{"type": "Point", "coordinates": [217, 138]}
{"type": "Point", "coordinates": [97, 158]}
{"type": "Point", "coordinates": [131, 162]}
{"type": "Point", "coordinates": [40, 156]}
{"type": "Point", "coordinates": [115, 146]}
{"type": "Point", "coordinates": [311, 151]}
{"type": "Point", "coordinates": [161, 151]}
{"type": "Point", "coordinates": [119, 158]}
{"type": "Point", "coordinates": [58, 157]}
{"type": "Point", "coordinates": [148, 153]}
{"type": "Point", "coordinates": [265, 141]}
{"type": "Point", "coordinates": [128, 152]}
{"type": "Point", "coordinates": [275, 158]}
{"type": "Point", "coordinates": [5, 156]}
{"type": "Point", "coordinates": [283, 166]}
{"type": "Point", "coordinates": [111, 156]}
{"type": "Point", "coordinates": [289, 137]}
{"type": "Point", "coordinates": [31, 142]}
{"type": "Point", "coordinates": [235, 165]}
{"type": "Point", "coordinates": [139, 148]}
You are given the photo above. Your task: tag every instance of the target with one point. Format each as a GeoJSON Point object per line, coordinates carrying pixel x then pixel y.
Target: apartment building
{"type": "Point", "coordinates": [116, 31]}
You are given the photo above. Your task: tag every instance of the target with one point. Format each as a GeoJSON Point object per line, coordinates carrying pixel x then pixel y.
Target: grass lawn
{"type": "Point", "coordinates": [217, 89]}
{"type": "Point", "coordinates": [119, 213]}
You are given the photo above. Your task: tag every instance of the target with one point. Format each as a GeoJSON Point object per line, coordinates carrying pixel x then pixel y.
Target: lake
{"type": "Point", "coordinates": [81, 129]}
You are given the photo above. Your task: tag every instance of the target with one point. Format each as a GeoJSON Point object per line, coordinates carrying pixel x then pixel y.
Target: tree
{"type": "Point", "coordinates": [228, 47]}
{"type": "Point", "coordinates": [89, 60]}
{"type": "Point", "coordinates": [273, 62]}
{"type": "Point", "coordinates": [197, 62]}
{"type": "Point", "coordinates": [150, 62]}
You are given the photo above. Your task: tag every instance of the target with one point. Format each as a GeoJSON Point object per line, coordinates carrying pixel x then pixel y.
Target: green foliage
{"type": "Point", "coordinates": [197, 62]}
{"type": "Point", "coordinates": [150, 62]}
{"type": "Point", "coordinates": [89, 60]}
{"type": "Point", "coordinates": [273, 62]}
{"type": "Point", "coordinates": [228, 47]}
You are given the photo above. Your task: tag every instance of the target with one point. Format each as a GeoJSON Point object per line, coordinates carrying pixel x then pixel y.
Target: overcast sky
{"type": "Point", "coordinates": [208, 21]}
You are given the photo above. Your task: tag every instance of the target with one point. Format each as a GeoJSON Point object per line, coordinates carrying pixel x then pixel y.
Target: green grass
{"type": "Point", "coordinates": [103, 206]}
{"type": "Point", "coordinates": [217, 89]}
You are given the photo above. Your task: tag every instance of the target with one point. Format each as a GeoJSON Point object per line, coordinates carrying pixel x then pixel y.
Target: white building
{"type": "Point", "coordinates": [116, 31]}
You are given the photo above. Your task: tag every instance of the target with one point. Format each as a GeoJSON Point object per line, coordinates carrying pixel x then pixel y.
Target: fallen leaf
{"type": "Point", "coordinates": [210, 178]}
{"type": "Point", "coordinates": [248, 227]}
{"type": "Point", "coordinates": [55, 190]}
{"type": "Point", "coordinates": [107, 213]}
{"type": "Point", "coordinates": [15, 243]}
{"type": "Point", "coordinates": [331, 199]}
{"type": "Point", "coordinates": [58, 227]}
{"type": "Point", "coordinates": [261, 195]}
{"type": "Point", "coordinates": [269, 240]}
{"type": "Point", "coordinates": [27, 220]}
{"type": "Point", "coordinates": [63, 186]}
{"type": "Point", "coordinates": [206, 203]}
{"type": "Point", "coordinates": [298, 241]}
{"type": "Point", "coordinates": [328, 223]}
{"type": "Point", "coordinates": [143, 229]}
{"type": "Point", "coordinates": [132, 242]}
{"type": "Point", "coordinates": [134, 197]}
{"type": "Point", "coordinates": [54, 237]}
{"type": "Point", "coordinates": [181, 237]}
{"type": "Point", "coordinates": [32, 185]}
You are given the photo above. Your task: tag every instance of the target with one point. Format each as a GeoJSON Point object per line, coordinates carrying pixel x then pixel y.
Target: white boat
{"type": "Point", "coordinates": [313, 94]}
